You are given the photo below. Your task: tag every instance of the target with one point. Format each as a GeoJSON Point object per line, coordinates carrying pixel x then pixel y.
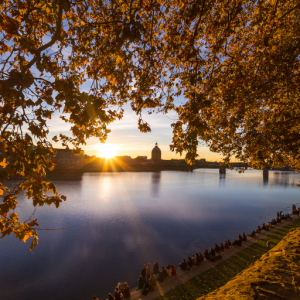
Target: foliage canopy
{"type": "Point", "coordinates": [236, 63]}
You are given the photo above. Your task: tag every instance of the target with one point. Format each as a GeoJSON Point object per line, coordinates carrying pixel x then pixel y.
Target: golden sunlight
{"type": "Point", "coordinates": [107, 150]}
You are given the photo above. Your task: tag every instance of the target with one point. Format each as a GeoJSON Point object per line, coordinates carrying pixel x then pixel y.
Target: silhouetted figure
{"type": "Point", "coordinates": [217, 248]}
{"type": "Point", "coordinates": [160, 276]}
{"type": "Point", "coordinates": [205, 253]}
{"type": "Point", "coordinates": [198, 259]}
{"type": "Point", "coordinates": [173, 270]}
{"type": "Point", "coordinates": [152, 279]}
{"type": "Point", "coordinates": [264, 227]}
{"type": "Point", "coordinates": [148, 271]}
{"type": "Point", "coordinates": [258, 229]}
{"type": "Point", "coordinates": [252, 234]}
{"type": "Point", "coordinates": [222, 247]}
{"type": "Point", "coordinates": [295, 212]}
{"type": "Point", "coordinates": [226, 244]}
{"type": "Point", "coordinates": [201, 257]}
{"type": "Point", "coordinates": [169, 271]}
{"type": "Point", "coordinates": [277, 214]}
{"type": "Point", "coordinates": [190, 261]}
{"type": "Point", "coordinates": [278, 220]}
{"type": "Point", "coordinates": [143, 273]}
{"type": "Point", "coordinates": [126, 291]}
{"type": "Point", "coordinates": [237, 243]}
{"type": "Point", "coordinates": [118, 294]}
{"type": "Point", "coordinates": [293, 207]}
{"type": "Point", "coordinates": [140, 282]}
{"type": "Point", "coordinates": [273, 222]}
{"type": "Point", "coordinates": [194, 259]}
{"type": "Point", "coordinates": [155, 268]}
{"type": "Point", "coordinates": [212, 252]}
{"type": "Point", "coordinates": [110, 297]}
{"type": "Point", "coordinates": [164, 272]}
{"type": "Point", "coordinates": [184, 265]}
{"type": "Point", "coordinates": [229, 243]}
{"type": "Point", "coordinates": [244, 237]}
{"type": "Point", "coordinates": [288, 216]}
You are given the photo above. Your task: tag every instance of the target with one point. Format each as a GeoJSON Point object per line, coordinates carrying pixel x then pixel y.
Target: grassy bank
{"type": "Point", "coordinates": [219, 275]}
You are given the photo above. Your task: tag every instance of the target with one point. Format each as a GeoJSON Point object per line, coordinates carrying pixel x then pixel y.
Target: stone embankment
{"type": "Point", "coordinates": [184, 276]}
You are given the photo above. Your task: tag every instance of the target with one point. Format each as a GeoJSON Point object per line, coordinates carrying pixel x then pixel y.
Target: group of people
{"type": "Point", "coordinates": [147, 280]}
{"type": "Point", "coordinates": [213, 254]}
{"type": "Point", "coordinates": [273, 222]}
{"type": "Point", "coordinates": [121, 292]}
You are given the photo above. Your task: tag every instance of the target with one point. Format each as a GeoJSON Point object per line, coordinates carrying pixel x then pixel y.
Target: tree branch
{"type": "Point", "coordinates": [54, 38]}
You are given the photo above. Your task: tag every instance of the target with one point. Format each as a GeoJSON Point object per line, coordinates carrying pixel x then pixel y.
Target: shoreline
{"type": "Point", "coordinates": [184, 277]}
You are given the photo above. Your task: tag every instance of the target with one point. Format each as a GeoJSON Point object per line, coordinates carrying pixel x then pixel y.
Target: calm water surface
{"type": "Point", "coordinates": [119, 221]}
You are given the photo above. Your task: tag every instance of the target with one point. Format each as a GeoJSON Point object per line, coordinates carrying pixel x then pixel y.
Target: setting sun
{"type": "Point", "coordinates": [107, 150]}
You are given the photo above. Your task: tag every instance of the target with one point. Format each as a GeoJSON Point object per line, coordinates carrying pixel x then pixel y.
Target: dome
{"type": "Point", "coordinates": [156, 154]}
{"type": "Point", "coordinates": [156, 149]}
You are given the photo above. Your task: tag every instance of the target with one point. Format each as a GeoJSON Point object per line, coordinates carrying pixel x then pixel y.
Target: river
{"type": "Point", "coordinates": [119, 221]}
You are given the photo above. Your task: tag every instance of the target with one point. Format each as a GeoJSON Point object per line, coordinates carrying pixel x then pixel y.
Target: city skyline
{"type": "Point", "coordinates": [128, 140]}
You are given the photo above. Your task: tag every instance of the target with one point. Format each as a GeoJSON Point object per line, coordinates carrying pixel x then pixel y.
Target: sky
{"type": "Point", "coordinates": [126, 139]}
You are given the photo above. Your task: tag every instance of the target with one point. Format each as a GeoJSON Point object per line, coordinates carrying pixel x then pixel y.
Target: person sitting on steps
{"type": "Point", "coordinates": [194, 259]}
{"type": "Point", "coordinates": [226, 245]}
{"type": "Point", "coordinates": [190, 262]}
{"type": "Point", "coordinates": [169, 271]}
{"type": "Point", "coordinates": [252, 234]}
{"type": "Point", "coordinates": [237, 243]}
{"type": "Point", "coordinates": [273, 222]}
{"type": "Point", "coordinates": [258, 229]}
{"type": "Point", "coordinates": [118, 294]}
{"type": "Point", "coordinates": [265, 227]}
{"type": "Point", "coordinates": [173, 270]}
{"type": "Point", "coordinates": [140, 282]}
{"type": "Point", "coordinates": [160, 276]}
{"type": "Point", "coordinates": [217, 248]}
{"type": "Point", "coordinates": [110, 297]}
{"type": "Point", "coordinates": [288, 216]}
{"type": "Point", "coordinates": [126, 291]}
{"type": "Point", "coordinates": [164, 272]}
{"type": "Point", "coordinates": [152, 279]}
{"type": "Point", "coordinates": [244, 237]}
{"type": "Point", "coordinates": [222, 247]}
{"type": "Point", "coordinates": [212, 252]}
{"type": "Point", "coordinates": [184, 265]}
{"type": "Point", "coordinates": [201, 257]}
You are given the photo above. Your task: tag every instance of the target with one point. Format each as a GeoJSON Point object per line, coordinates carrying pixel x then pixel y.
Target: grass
{"type": "Point", "coordinates": [219, 275]}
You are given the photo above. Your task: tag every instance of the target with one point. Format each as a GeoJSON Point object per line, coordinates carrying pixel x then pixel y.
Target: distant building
{"type": "Point", "coordinates": [66, 157]}
{"type": "Point", "coordinates": [141, 158]}
{"type": "Point", "coordinates": [156, 154]}
{"type": "Point", "coordinates": [125, 158]}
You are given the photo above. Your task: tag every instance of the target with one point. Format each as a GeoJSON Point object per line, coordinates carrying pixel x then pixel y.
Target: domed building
{"type": "Point", "coordinates": [156, 154]}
